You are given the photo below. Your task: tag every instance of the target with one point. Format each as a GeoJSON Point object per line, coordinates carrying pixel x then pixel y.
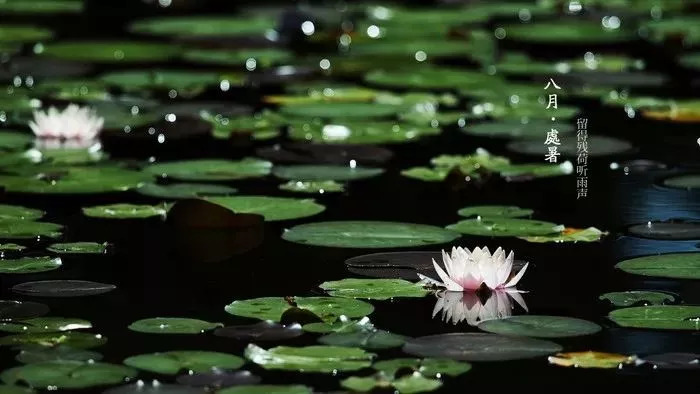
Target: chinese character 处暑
{"type": "Point", "coordinates": [582, 182]}
{"type": "Point", "coordinates": [582, 135]}
{"type": "Point", "coordinates": [552, 101]}
{"type": "Point", "coordinates": [551, 83]}
{"type": "Point", "coordinates": [552, 155]}
{"type": "Point", "coordinates": [582, 123]}
{"type": "Point", "coordinates": [581, 170]}
{"type": "Point", "coordinates": [582, 193]}
{"type": "Point", "coordinates": [582, 158]}
{"type": "Point", "coordinates": [582, 146]}
{"type": "Point", "coordinates": [552, 138]}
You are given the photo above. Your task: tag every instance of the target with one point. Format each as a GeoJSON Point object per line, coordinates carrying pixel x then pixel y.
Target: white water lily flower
{"type": "Point", "coordinates": [459, 306]}
{"type": "Point", "coordinates": [73, 123]}
{"type": "Point", "coordinates": [469, 270]}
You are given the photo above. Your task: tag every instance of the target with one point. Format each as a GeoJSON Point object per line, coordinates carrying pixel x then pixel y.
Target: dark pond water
{"type": "Point", "coordinates": [162, 271]}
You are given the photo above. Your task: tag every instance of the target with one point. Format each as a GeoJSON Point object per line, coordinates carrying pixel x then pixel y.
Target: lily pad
{"type": "Point", "coordinates": [271, 208]}
{"type": "Point", "coordinates": [323, 359]}
{"type": "Point", "coordinates": [415, 383]}
{"type": "Point", "coordinates": [428, 367]}
{"type": "Point", "coordinates": [328, 309]}
{"type": "Point", "coordinates": [77, 340]}
{"type": "Point", "coordinates": [125, 211]}
{"type": "Point", "coordinates": [16, 212]}
{"type": "Point", "coordinates": [210, 170]}
{"type": "Point", "coordinates": [682, 28]}
{"type": "Point", "coordinates": [267, 389]}
{"type": "Point", "coordinates": [591, 359]}
{"type": "Point", "coordinates": [184, 82]}
{"type": "Point", "coordinates": [10, 310]}
{"type": "Point", "coordinates": [569, 32]}
{"type": "Point", "coordinates": [218, 379]}
{"type": "Point", "coordinates": [31, 354]}
{"type": "Point", "coordinates": [596, 146]}
{"type": "Point", "coordinates": [375, 289]}
{"type": "Point", "coordinates": [505, 227]}
{"type": "Point", "coordinates": [311, 153]}
{"type": "Point", "coordinates": [366, 339]}
{"type": "Point", "coordinates": [689, 181]}
{"type": "Point", "coordinates": [44, 324]}
{"type": "Point", "coordinates": [335, 110]}
{"type": "Point", "coordinates": [62, 288]}
{"type": "Point", "coordinates": [540, 326]}
{"type": "Point", "coordinates": [368, 234]}
{"type": "Point", "coordinates": [669, 265]}
{"type": "Point", "coordinates": [74, 180]}
{"type": "Point", "coordinates": [13, 141]}
{"type": "Point", "coordinates": [325, 172]}
{"type": "Point", "coordinates": [673, 230]}
{"type": "Point", "coordinates": [263, 57]}
{"type": "Point", "coordinates": [202, 26]}
{"type": "Point", "coordinates": [172, 325]}
{"type": "Point", "coordinates": [263, 331]}
{"type": "Point", "coordinates": [662, 317]}
{"type": "Point", "coordinates": [78, 248]}
{"type": "Point", "coordinates": [360, 132]}
{"type": "Point", "coordinates": [479, 347]}
{"type": "Point", "coordinates": [23, 33]}
{"type": "Point", "coordinates": [41, 6]}
{"type": "Point", "coordinates": [25, 229]}
{"type": "Point", "coordinates": [313, 187]}
{"type": "Point", "coordinates": [504, 211]}
{"type": "Point", "coordinates": [170, 363]}
{"type": "Point", "coordinates": [73, 89]}
{"type": "Point", "coordinates": [429, 78]}
{"type": "Point", "coordinates": [630, 298]}
{"type": "Point", "coordinates": [514, 128]}
{"type": "Point", "coordinates": [111, 51]}
{"type": "Point", "coordinates": [184, 190]}
{"type": "Point", "coordinates": [68, 374]}
{"type": "Point", "coordinates": [154, 387]}
{"type": "Point", "coordinates": [9, 247]}
{"type": "Point", "coordinates": [8, 389]}
{"type": "Point", "coordinates": [590, 234]}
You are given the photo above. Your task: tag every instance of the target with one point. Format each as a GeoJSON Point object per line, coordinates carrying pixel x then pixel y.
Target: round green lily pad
{"type": "Point", "coordinates": [125, 211]}
{"type": "Point", "coordinates": [264, 57]}
{"type": "Point", "coordinates": [688, 181]}
{"type": "Point", "coordinates": [429, 367]}
{"type": "Point", "coordinates": [630, 298]}
{"type": "Point", "coordinates": [202, 26]}
{"type": "Point", "coordinates": [683, 28]}
{"type": "Point", "coordinates": [23, 33]}
{"type": "Point", "coordinates": [14, 140]}
{"type": "Point", "coordinates": [415, 383]}
{"type": "Point", "coordinates": [41, 6]}
{"type": "Point", "coordinates": [498, 211]}
{"type": "Point", "coordinates": [172, 325]}
{"type": "Point", "coordinates": [360, 132]}
{"type": "Point", "coordinates": [662, 317]}
{"type": "Point", "coordinates": [479, 347]}
{"type": "Point", "coordinates": [78, 248]}
{"type": "Point", "coordinates": [513, 128]}
{"type": "Point", "coordinates": [73, 89]}
{"type": "Point", "coordinates": [540, 326]}
{"type": "Point", "coordinates": [319, 187]}
{"type": "Point", "coordinates": [78, 340]}
{"type": "Point", "coordinates": [26, 229]}
{"type": "Point", "coordinates": [11, 389]}
{"type": "Point", "coordinates": [271, 208]}
{"type": "Point", "coordinates": [29, 265]}
{"type": "Point", "coordinates": [68, 374]}
{"type": "Point", "coordinates": [16, 212]}
{"type": "Point", "coordinates": [267, 389]}
{"type": "Point", "coordinates": [324, 359]}
{"type": "Point", "coordinates": [170, 363]}
{"type": "Point", "coordinates": [335, 110]}
{"type": "Point", "coordinates": [596, 146]}
{"type": "Point", "coordinates": [184, 190]}
{"type": "Point", "coordinates": [366, 339]}
{"type": "Point", "coordinates": [9, 247]}
{"type": "Point", "coordinates": [111, 51]}
{"type": "Point", "coordinates": [329, 309]}
{"type": "Point", "coordinates": [669, 265]}
{"type": "Point", "coordinates": [210, 169]}
{"type": "Point", "coordinates": [368, 234]}
{"type": "Point", "coordinates": [429, 78]}
{"type": "Point", "coordinates": [32, 354]}
{"type": "Point", "coordinates": [185, 82]}
{"type": "Point", "coordinates": [570, 32]}
{"type": "Point", "coordinates": [505, 227]}
{"type": "Point", "coordinates": [74, 180]}
{"type": "Point", "coordinates": [312, 172]}
{"type": "Point", "coordinates": [375, 289]}
{"type": "Point", "coordinates": [44, 324]}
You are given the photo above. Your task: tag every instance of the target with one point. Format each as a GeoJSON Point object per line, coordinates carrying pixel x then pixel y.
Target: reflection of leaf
{"type": "Point", "coordinates": [311, 358]}
{"type": "Point", "coordinates": [591, 359]}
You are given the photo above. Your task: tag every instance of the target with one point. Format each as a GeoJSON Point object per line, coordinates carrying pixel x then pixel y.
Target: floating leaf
{"type": "Point", "coordinates": [495, 211]}
{"type": "Point", "coordinates": [25, 229]}
{"type": "Point", "coordinates": [336, 110]}
{"type": "Point", "coordinates": [184, 190]}
{"type": "Point", "coordinates": [41, 6]}
{"type": "Point", "coordinates": [591, 359]}
{"type": "Point", "coordinates": [13, 141]}
{"type": "Point", "coordinates": [31, 354]}
{"type": "Point", "coordinates": [629, 298]}
{"type": "Point", "coordinates": [359, 132]}
{"type": "Point", "coordinates": [271, 208]}
{"type": "Point", "coordinates": [267, 389]}
{"type": "Point", "coordinates": [202, 26]}
{"type": "Point", "coordinates": [210, 170]}
{"type": "Point", "coordinates": [23, 33]}
{"type": "Point", "coordinates": [368, 234]}
{"type": "Point", "coordinates": [154, 387]}
{"type": "Point", "coordinates": [78, 248]}
{"type": "Point", "coordinates": [690, 181]}
{"type": "Point", "coordinates": [662, 317]}
{"type": "Point", "coordinates": [125, 211]}
{"type": "Point", "coordinates": [172, 325]}
{"type": "Point", "coordinates": [323, 359]}
{"type": "Point", "coordinates": [68, 374]}
{"type": "Point", "coordinates": [325, 172]}
{"type": "Point", "coordinates": [16, 212]}
{"type": "Point", "coordinates": [111, 51]}
{"type": "Point", "coordinates": [44, 324]}
{"type": "Point", "coordinates": [170, 363]}
{"type": "Point", "coordinates": [505, 227]}
{"type": "Point", "coordinates": [595, 145]}
{"type": "Point", "coordinates": [540, 326]}
{"type": "Point", "coordinates": [62, 288]}
{"type": "Point", "coordinates": [479, 347]}
{"type": "Point", "coordinates": [78, 340]}
{"type": "Point", "coordinates": [590, 234]}
{"type": "Point", "coordinates": [375, 289]}
{"type": "Point", "coordinates": [429, 78]}
{"type": "Point", "coordinates": [218, 379]}
{"type": "Point", "coordinates": [263, 331]}
{"type": "Point", "coordinates": [29, 265]}
{"type": "Point", "coordinates": [429, 367]}
{"type": "Point", "coordinates": [7, 389]}
{"type": "Point", "coordinates": [415, 383]}
{"type": "Point", "coordinates": [263, 57]}
{"type": "Point", "coordinates": [11, 248]}
{"type": "Point", "coordinates": [186, 83]}
{"type": "Point", "coordinates": [366, 339]}
{"type": "Point", "coordinates": [314, 187]}
{"type": "Point", "coordinates": [669, 265]}
{"type": "Point", "coordinates": [74, 180]}
{"type": "Point", "coordinates": [674, 229]}
{"type": "Point", "coordinates": [328, 309]}
{"type": "Point", "coordinates": [566, 32]}
{"type": "Point", "coordinates": [10, 310]}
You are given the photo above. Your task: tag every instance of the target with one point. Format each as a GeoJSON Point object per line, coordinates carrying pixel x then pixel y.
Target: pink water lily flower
{"type": "Point", "coordinates": [467, 271]}
{"type": "Point", "coordinates": [73, 123]}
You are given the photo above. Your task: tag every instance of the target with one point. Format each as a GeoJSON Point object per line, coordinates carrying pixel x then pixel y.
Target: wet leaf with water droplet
{"type": "Point", "coordinates": [44, 324]}
{"type": "Point", "coordinates": [68, 374]}
{"type": "Point", "coordinates": [172, 325]}
{"type": "Point", "coordinates": [170, 363]}
{"type": "Point", "coordinates": [323, 359]}
{"type": "Point", "coordinates": [591, 359]}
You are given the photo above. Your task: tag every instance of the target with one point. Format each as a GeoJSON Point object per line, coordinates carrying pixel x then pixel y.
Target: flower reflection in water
{"type": "Point", "coordinates": [457, 306]}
